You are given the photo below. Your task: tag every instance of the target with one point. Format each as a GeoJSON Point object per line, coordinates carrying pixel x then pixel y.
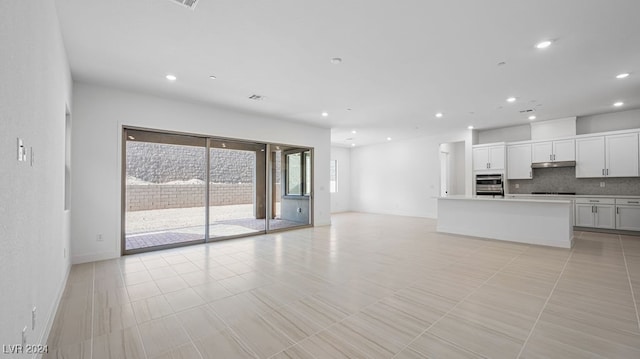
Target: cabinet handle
{"type": "Point", "coordinates": [603, 171]}
{"type": "Point", "coordinates": [550, 157]}
{"type": "Point", "coordinates": [596, 207]}
{"type": "Point", "coordinates": [607, 171]}
{"type": "Point", "coordinates": [633, 201]}
{"type": "Point", "coordinates": [592, 209]}
{"type": "Point", "coordinates": [617, 210]}
{"type": "Point", "coordinates": [530, 174]}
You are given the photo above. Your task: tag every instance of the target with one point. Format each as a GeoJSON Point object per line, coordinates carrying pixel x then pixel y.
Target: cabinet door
{"type": "Point", "coordinates": [590, 157]}
{"type": "Point", "coordinates": [622, 155]}
{"type": "Point", "coordinates": [605, 216]}
{"type": "Point", "coordinates": [480, 158]}
{"type": "Point", "coordinates": [496, 157]}
{"type": "Point", "coordinates": [519, 162]}
{"type": "Point", "coordinates": [628, 218]}
{"type": "Point", "coordinates": [564, 150]}
{"type": "Point", "coordinates": [542, 151]}
{"type": "Point", "coordinates": [585, 215]}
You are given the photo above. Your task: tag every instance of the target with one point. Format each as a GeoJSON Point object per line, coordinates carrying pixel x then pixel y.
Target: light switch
{"type": "Point", "coordinates": [22, 152]}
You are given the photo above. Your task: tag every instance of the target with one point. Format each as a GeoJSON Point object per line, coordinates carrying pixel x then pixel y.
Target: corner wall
{"type": "Point", "coordinates": [403, 177]}
{"type": "Point", "coordinates": [35, 89]}
{"type": "Point", "coordinates": [99, 114]}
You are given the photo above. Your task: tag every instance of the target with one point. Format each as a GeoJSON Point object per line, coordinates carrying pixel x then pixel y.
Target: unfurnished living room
{"type": "Point", "coordinates": [330, 179]}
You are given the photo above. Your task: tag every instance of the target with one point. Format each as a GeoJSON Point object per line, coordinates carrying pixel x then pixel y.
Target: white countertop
{"type": "Point", "coordinates": [571, 196]}
{"type": "Point", "coordinates": [505, 199]}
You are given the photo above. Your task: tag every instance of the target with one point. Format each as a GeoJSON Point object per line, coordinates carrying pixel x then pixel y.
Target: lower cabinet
{"type": "Point", "coordinates": [628, 214]}
{"type": "Point", "coordinates": [608, 213]}
{"type": "Point", "coordinates": [596, 213]}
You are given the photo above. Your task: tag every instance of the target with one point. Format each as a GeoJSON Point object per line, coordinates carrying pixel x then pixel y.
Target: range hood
{"type": "Point", "coordinates": [553, 164]}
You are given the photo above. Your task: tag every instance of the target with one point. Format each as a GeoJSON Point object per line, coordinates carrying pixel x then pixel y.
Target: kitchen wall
{"type": "Point", "coordinates": [35, 89]}
{"type": "Point", "coordinates": [99, 114]}
{"type": "Point", "coordinates": [341, 200]}
{"type": "Point", "coordinates": [564, 179]}
{"type": "Point", "coordinates": [622, 120]}
{"type": "Point", "coordinates": [505, 134]}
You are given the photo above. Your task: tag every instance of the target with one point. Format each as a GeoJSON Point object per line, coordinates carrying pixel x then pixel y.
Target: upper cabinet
{"type": "Point", "coordinates": [607, 156]}
{"type": "Point", "coordinates": [553, 151]}
{"type": "Point", "coordinates": [519, 161]}
{"type": "Point", "coordinates": [488, 158]}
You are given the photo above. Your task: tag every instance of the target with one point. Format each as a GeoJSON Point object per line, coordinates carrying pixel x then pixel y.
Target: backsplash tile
{"type": "Point", "coordinates": [564, 179]}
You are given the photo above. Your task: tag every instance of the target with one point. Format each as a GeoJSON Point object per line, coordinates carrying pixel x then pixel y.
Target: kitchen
{"type": "Point", "coordinates": [566, 173]}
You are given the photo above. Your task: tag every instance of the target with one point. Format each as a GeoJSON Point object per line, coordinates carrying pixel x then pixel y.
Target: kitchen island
{"type": "Point", "coordinates": [534, 221]}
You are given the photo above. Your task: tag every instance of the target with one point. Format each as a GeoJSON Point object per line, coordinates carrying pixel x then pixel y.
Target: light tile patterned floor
{"type": "Point", "coordinates": [369, 286]}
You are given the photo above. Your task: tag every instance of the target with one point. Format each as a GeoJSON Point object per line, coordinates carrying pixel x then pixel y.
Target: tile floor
{"type": "Point", "coordinates": [369, 286]}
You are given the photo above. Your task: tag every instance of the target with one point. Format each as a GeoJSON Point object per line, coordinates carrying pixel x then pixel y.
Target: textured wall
{"type": "Point", "coordinates": [145, 197]}
{"type": "Point", "coordinates": [564, 180]}
{"type": "Point", "coordinates": [161, 163]}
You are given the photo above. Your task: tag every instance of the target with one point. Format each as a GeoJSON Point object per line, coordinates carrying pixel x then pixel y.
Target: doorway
{"type": "Point", "coordinates": [181, 189]}
{"type": "Point", "coordinates": [452, 168]}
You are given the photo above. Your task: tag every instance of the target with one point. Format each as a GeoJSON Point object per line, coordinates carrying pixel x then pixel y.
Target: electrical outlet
{"type": "Point", "coordinates": [99, 238]}
{"type": "Point", "coordinates": [33, 318]}
{"type": "Point", "coordinates": [299, 210]}
{"type": "Point", "coordinates": [601, 184]}
{"type": "Point", "coordinates": [22, 151]}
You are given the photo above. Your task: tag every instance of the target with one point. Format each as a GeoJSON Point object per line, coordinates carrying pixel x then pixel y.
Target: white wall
{"type": "Point", "coordinates": [340, 201]}
{"type": "Point", "coordinates": [458, 172]}
{"type": "Point", "coordinates": [622, 120]}
{"type": "Point", "coordinates": [505, 134]}
{"type": "Point", "coordinates": [402, 177]}
{"type": "Point", "coordinates": [35, 87]}
{"type": "Point", "coordinates": [99, 114]}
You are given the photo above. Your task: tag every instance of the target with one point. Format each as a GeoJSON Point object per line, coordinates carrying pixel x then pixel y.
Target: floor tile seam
{"type": "Point", "coordinates": [545, 304]}
{"type": "Point", "coordinates": [144, 350]}
{"type": "Point", "coordinates": [93, 303]}
{"type": "Point", "coordinates": [457, 304]}
{"type": "Point", "coordinates": [633, 296]}
{"type": "Point", "coordinates": [446, 341]}
{"type": "Point", "coordinates": [233, 332]}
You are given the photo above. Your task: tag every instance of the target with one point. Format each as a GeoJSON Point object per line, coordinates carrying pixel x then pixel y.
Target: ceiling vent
{"type": "Point", "coordinates": [525, 111]}
{"type": "Point", "coordinates": [256, 97]}
{"type": "Point", "coordinates": [189, 4]}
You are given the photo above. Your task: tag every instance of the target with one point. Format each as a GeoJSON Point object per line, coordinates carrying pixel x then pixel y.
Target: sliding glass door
{"type": "Point", "coordinates": [182, 189]}
{"type": "Point", "coordinates": [165, 184]}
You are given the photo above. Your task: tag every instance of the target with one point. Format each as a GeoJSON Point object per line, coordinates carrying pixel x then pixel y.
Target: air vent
{"type": "Point", "coordinates": [256, 97]}
{"type": "Point", "coordinates": [525, 111]}
{"type": "Point", "coordinates": [189, 4]}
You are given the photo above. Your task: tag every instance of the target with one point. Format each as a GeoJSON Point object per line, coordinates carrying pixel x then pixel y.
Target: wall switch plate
{"type": "Point", "coordinates": [601, 184]}
{"type": "Point", "coordinates": [99, 238]}
{"type": "Point", "coordinates": [22, 152]}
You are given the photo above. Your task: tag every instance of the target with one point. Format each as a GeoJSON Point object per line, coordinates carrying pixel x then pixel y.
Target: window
{"type": "Point", "coordinates": [298, 173]}
{"type": "Point", "coordinates": [333, 176]}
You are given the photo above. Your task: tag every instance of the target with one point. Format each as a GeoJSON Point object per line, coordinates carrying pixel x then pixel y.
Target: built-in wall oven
{"type": "Point", "coordinates": [489, 184]}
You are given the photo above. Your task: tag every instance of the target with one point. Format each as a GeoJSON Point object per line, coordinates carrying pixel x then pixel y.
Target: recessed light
{"type": "Point", "coordinates": [354, 131]}
{"type": "Point", "coordinates": [511, 99]}
{"type": "Point", "coordinates": [618, 104]}
{"type": "Point", "coordinates": [353, 145]}
{"type": "Point", "coordinates": [171, 77]}
{"type": "Point", "coordinates": [131, 137]}
{"type": "Point", "coordinates": [543, 44]}
{"type": "Point", "coordinates": [532, 117]}
{"type": "Point", "coordinates": [439, 114]}
{"type": "Point", "coordinates": [388, 138]}
{"type": "Point", "coordinates": [325, 114]}
{"type": "Point", "coordinates": [213, 77]}
{"type": "Point", "coordinates": [336, 60]}
{"type": "Point", "coordinates": [470, 127]}
{"type": "Point", "coordinates": [622, 75]}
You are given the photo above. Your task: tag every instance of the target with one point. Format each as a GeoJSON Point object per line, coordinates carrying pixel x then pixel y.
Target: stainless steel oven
{"type": "Point", "coordinates": [489, 184]}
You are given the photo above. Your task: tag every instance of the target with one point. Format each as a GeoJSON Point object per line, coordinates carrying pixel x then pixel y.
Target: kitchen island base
{"type": "Point", "coordinates": [542, 222]}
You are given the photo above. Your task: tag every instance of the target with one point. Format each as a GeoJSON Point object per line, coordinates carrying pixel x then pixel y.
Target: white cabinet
{"type": "Point", "coordinates": [488, 158]}
{"type": "Point", "coordinates": [519, 161]}
{"type": "Point", "coordinates": [621, 155]}
{"type": "Point", "coordinates": [628, 214]}
{"type": "Point", "coordinates": [607, 156]}
{"type": "Point", "coordinates": [552, 151]}
{"type": "Point", "coordinates": [596, 212]}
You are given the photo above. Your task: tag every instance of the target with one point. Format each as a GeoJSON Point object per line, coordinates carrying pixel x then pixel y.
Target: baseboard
{"type": "Point", "coordinates": [94, 257]}
{"type": "Point", "coordinates": [52, 314]}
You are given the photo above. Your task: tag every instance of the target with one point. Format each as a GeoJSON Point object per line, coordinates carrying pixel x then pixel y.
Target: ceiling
{"type": "Point", "coordinates": [402, 61]}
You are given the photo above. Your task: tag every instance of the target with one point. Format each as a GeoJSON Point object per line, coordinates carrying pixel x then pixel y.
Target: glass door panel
{"type": "Point", "coordinates": [237, 189]}
{"type": "Point", "coordinates": [165, 185]}
{"type": "Point", "coordinates": [292, 187]}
